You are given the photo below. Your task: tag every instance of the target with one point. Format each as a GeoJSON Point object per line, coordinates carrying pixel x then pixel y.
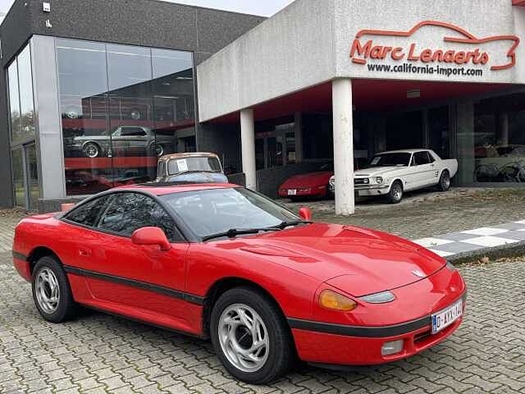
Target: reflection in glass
{"type": "Point", "coordinates": [32, 175]}
{"type": "Point", "coordinates": [18, 177]}
{"type": "Point", "coordinates": [499, 140]}
{"type": "Point", "coordinates": [122, 107]}
{"type": "Point", "coordinates": [14, 101]}
{"type": "Point", "coordinates": [21, 107]}
{"type": "Point", "coordinates": [25, 81]}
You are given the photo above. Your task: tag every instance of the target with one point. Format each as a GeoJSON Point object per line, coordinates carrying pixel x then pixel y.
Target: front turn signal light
{"type": "Point", "coordinates": [331, 300]}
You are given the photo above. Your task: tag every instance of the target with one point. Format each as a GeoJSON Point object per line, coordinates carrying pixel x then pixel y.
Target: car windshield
{"type": "Point", "coordinates": [214, 211]}
{"type": "Point", "coordinates": [398, 159]}
{"type": "Point", "coordinates": [205, 164]}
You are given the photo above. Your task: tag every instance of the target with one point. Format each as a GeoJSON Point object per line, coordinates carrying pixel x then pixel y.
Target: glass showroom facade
{"type": "Point", "coordinates": [120, 107]}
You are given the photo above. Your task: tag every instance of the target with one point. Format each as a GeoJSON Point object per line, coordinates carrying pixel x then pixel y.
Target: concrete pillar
{"type": "Point", "coordinates": [503, 129]}
{"type": "Point", "coordinates": [343, 146]}
{"type": "Point", "coordinates": [298, 121]}
{"type": "Point", "coordinates": [248, 148]}
{"type": "Point", "coordinates": [465, 143]}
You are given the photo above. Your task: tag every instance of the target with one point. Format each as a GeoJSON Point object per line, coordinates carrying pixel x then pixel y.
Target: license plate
{"type": "Point", "coordinates": [292, 192]}
{"type": "Point", "coordinates": [446, 317]}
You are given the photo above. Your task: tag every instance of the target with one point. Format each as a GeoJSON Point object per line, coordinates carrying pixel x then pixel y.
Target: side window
{"type": "Point", "coordinates": [421, 158]}
{"type": "Point", "coordinates": [128, 212]}
{"type": "Point", "coordinates": [132, 131]}
{"type": "Point", "coordinates": [430, 157]}
{"type": "Point", "coordinates": [87, 214]}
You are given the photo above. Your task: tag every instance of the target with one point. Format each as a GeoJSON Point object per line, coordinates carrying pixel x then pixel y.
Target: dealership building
{"type": "Point", "coordinates": [93, 91]}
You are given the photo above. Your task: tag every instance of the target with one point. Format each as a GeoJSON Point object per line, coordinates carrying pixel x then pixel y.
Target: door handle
{"type": "Point", "coordinates": [84, 252]}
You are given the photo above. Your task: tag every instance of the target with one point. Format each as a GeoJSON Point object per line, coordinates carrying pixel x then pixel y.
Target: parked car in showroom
{"type": "Point", "coordinates": [310, 185]}
{"type": "Point", "coordinates": [123, 141]}
{"type": "Point", "coordinates": [190, 167]}
{"type": "Point", "coordinates": [221, 262]}
{"type": "Point", "coordinates": [393, 173]}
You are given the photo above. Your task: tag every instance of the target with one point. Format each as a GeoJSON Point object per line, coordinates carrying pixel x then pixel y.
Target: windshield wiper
{"type": "Point", "coordinates": [233, 232]}
{"type": "Point", "coordinates": [283, 225]}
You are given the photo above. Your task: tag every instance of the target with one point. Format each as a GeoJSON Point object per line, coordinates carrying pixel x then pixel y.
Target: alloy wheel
{"type": "Point", "coordinates": [47, 290]}
{"type": "Point", "coordinates": [243, 337]}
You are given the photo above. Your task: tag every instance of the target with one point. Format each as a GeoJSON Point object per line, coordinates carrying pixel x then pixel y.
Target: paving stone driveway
{"type": "Point", "coordinates": [98, 353]}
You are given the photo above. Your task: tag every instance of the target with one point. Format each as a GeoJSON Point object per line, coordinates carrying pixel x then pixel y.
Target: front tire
{"type": "Point", "coordinates": [395, 195]}
{"type": "Point", "coordinates": [250, 336]}
{"type": "Point", "coordinates": [444, 181]}
{"type": "Point", "coordinates": [91, 150]}
{"type": "Point", "coordinates": [51, 291]}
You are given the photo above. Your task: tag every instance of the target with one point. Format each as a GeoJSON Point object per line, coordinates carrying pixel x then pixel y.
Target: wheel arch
{"type": "Point", "coordinates": [397, 179]}
{"type": "Point", "coordinates": [225, 284]}
{"type": "Point", "coordinates": [39, 252]}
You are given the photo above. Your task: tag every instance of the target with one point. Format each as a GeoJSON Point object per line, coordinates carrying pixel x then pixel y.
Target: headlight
{"type": "Point", "coordinates": [379, 179]}
{"type": "Point", "coordinates": [332, 181]}
{"type": "Point", "coordinates": [379, 298]}
{"type": "Point", "coordinates": [331, 300]}
{"type": "Point", "coordinates": [366, 181]}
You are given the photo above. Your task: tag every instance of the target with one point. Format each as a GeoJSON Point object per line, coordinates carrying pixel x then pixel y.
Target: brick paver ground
{"type": "Point", "coordinates": [98, 353]}
{"type": "Point", "coordinates": [424, 214]}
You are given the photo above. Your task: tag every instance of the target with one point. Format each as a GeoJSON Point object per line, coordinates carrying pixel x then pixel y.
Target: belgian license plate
{"type": "Point", "coordinates": [292, 192]}
{"type": "Point", "coordinates": [446, 317]}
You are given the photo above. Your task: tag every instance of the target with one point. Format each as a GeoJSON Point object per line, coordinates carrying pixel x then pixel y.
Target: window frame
{"type": "Point", "coordinates": [179, 236]}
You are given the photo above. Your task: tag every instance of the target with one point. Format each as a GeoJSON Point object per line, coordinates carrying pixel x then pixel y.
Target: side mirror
{"type": "Point", "coordinates": [151, 236]}
{"type": "Point", "coordinates": [305, 213]}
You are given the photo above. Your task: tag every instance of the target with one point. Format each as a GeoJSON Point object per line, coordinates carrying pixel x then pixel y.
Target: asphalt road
{"type": "Point", "coordinates": [98, 353]}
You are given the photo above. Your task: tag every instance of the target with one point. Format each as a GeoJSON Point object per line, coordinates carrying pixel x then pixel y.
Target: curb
{"type": "Point", "coordinates": [510, 250]}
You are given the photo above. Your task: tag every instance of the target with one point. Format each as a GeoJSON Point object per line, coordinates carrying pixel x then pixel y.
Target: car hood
{"type": "Point", "coordinates": [311, 179]}
{"type": "Point", "coordinates": [356, 260]}
{"type": "Point", "coordinates": [376, 171]}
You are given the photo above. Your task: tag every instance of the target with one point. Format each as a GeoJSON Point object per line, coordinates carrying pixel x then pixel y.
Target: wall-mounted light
{"type": "Point", "coordinates": [48, 24]}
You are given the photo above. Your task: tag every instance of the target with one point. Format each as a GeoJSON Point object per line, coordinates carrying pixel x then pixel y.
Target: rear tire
{"type": "Point", "coordinates": [250, 336]}
{"type": "Point", "coordinates": [395, 195]}
{"type": "Point", "coordinates": [51, 291]}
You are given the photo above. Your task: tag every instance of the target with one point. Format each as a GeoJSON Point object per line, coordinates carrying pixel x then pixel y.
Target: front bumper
{"type": "Point", "coordinates": [358, 337]}
{"type": "Point", "coordinates": [336, 349]}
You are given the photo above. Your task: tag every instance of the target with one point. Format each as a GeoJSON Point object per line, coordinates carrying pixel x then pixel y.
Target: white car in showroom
{"type": "Point", "coordinates": [393, 173]}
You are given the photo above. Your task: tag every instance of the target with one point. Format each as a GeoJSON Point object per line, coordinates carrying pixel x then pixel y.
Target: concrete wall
{"type": "Point", "coordinates": [480, 18]}
{"type": "Point", "coordinates": [288, 52]}
{"type": "Point", "coordinates": [311, 41]}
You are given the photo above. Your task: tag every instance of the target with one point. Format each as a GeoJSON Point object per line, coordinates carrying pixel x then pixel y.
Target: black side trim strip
{"type": "Point", "coordinates": [357, 331]}
{"type": "Point", "coordinates": [19, 256]}
{"type": "Point", "coordinates": [193, 299]}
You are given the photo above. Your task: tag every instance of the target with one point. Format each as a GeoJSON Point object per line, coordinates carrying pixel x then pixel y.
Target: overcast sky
{"type": "Point", "coordinates": [257, 7]}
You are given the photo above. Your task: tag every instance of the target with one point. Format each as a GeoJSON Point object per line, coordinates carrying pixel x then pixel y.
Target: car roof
{"type": "Point", "coordinates": [185, 155]}
{"type": "Point", "coordinates": [404, 151]}
{"type": "Point", "coordinates": [161, 189]}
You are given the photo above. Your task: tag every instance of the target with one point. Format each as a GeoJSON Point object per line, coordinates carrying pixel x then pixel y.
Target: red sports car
{"type": "Point", "coordinates": [309, 185]}
{"type": "Point", "coordinates": [222, 262]}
